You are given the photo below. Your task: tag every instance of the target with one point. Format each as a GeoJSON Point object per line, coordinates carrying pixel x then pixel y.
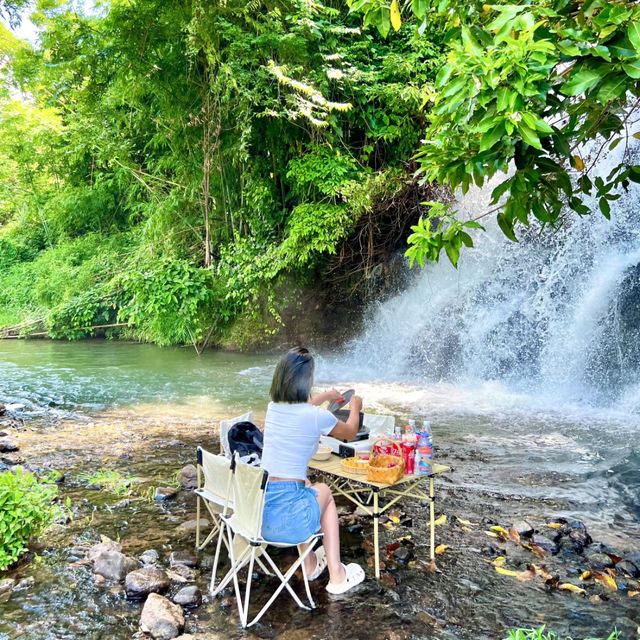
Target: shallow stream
{"type": "Point", "coordinates": [142, 410]}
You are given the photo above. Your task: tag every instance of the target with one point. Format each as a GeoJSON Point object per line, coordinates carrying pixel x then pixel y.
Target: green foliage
{"type": "Point", "coordinates": [26, 509]}
{"type": "Point", "coordinates": [528, 84]}
{"type": "Point", "coordinates": [109, 480]}
{"type": "Point", "coordinates": [541, 634]}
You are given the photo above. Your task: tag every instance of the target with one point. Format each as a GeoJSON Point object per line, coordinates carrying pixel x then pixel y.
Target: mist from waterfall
{"type": "Point", "coordinates": [555, 317]}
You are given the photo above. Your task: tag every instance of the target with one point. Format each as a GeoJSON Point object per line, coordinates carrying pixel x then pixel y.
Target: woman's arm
{"type": "Point", "coordinates": [330, 396]}
{"type": "Point", "coordinates": [349, 430]}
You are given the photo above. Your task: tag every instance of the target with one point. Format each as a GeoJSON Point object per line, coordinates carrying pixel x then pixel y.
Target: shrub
{"type": "Point", "coordinates": [541, 634]}
{"type": "Point", "coordinates": [26, 509]}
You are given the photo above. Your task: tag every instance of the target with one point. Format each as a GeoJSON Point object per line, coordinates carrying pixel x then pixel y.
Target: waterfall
{"type": "Point", "coordinates": [555, 316]}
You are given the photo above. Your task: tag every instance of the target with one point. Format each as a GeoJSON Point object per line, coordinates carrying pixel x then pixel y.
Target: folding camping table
{"type": "Point", "coordinates": [367, 495]}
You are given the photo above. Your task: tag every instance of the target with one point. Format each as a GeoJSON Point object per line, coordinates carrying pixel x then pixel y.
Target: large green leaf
{"type": "Point", "coordinates": [632, 69]}
{"type": "Point", "coordinates": [633, 32]}
{"type": "Point", "coordinates": [612, 88]}
{"type": "Point", "coordinates": [581, 81]}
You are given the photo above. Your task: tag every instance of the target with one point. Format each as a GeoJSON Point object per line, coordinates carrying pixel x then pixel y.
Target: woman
{"type": "Point", "coordinates": [294, 510]}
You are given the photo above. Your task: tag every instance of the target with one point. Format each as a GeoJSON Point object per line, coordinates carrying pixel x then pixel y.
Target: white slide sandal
{"type": "Point", "coordinates": [354, 576]}
{"type": "Point", "coordinates": [321, 565]}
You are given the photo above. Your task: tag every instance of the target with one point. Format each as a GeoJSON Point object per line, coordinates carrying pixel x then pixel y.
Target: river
{"type": "Point", "coordinates": [514, 456]}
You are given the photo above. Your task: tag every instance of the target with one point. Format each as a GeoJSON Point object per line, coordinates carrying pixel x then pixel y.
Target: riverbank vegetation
{"type": "Point", "coordinates": [184, 172]}
{"type": "Point", "coordinates": [168, 169]}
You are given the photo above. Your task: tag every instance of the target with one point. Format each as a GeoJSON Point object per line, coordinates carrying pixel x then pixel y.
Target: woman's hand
{"type": "Point", "coordinates": [356, 403]}
{"type": "Point", "coordinates": [333, 396]}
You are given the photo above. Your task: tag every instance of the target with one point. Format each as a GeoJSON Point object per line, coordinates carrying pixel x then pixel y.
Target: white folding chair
{"type": "Point", "coordinates": [217, 494]}
{"type": "Point", "coordinates": [378, 424]}
{"type": "Point", "coordinates": [214, 492]}
{"type": "Point", "coordinates": [225, 425]}
{"type": "Point", "coordinates": [249, 487]}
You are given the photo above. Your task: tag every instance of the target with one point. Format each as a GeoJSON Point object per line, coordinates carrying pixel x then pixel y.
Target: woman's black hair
{"type": "Point", "coordinates": [293, 377]}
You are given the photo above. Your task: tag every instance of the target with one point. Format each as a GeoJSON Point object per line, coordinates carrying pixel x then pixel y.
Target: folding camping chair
{"type": "Point", "coordinates": [225, 425]}
{"type": "Point", "coordinates": [217, 495]}
{"type": "Point", "coordinates": [249, 487]}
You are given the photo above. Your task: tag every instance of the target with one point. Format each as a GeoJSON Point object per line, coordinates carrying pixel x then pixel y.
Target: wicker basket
{"type": "Point", "coordinates": [383, 468]}
{"type": "Point", "coordinates": [360, 469]}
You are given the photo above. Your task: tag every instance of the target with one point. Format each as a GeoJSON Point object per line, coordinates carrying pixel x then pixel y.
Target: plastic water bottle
{"type": "Point", "coordinates": [427, 430]}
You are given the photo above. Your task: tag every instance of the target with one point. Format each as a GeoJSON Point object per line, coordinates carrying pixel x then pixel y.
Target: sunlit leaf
{"type": "Point", "coordinates": [578, 163]}
{"type": "Point", "coordinates": [441, 520]}
{"type": "Point", "coordinates": [441, 548]}
{"type": "Point", "coordinates": [606, 581]}
{"type": "Point", "coordinates": [514, 535]}
{"type": "Point", "coordinates": [396, 21]}
{"type": "Point", "coordinates": [557, 525]}
{"type": "Point", "coordinates": [586, 575]}
{"type": "Point", "coordinates": [633, 594]}
{"type": "Point", "coordinates": [506, 572]}
{"type": "Point", "coordinates": [567, 586]}
{"type": "Point", "coordinates": [467, 522]}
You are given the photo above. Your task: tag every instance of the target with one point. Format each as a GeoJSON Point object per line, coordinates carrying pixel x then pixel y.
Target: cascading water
{"type": "Point", "coordinates": [555, 316]}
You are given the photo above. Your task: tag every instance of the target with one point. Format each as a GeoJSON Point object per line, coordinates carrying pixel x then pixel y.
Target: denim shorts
{"type": "Point", "coordinates": [291, 512]}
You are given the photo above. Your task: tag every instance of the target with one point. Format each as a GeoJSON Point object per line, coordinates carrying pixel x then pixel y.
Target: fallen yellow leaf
{"type": "Point", "coordinates": [467, 522]}
{"type": "Point", "coordinates": [500, 530]}
{"type": "Point", "coordinates": [633, 594]}
{"type": "Point", "coordinates": [606, 581]}
{"type": "Point", "coordinates": [578, 163]}
{"type": "Point", "coordinates": [554, 525]}
{"type": "Point", "coordinates": [586, 575]}
{"type": "Point", "coordinates": [395, 519]}
{"type": "Point", "coordinates": [499, 561]}
{"type": "Point", "coordinates": [389, 526]}
{"type": "Point", "coordinates": [514, 535]}
{"type": "Point", "coordinates": [466, 529]}
{"type": "Point", "coordinates": [441, 548]}
{"type": "Point", "coordinates": [441, 520]}
{"type": "Point", "coordinates": [506, 572]}
{"type": "Point", "coordinates": [492, 534]}
{"type": "Point", "coordinates": [567, 586]}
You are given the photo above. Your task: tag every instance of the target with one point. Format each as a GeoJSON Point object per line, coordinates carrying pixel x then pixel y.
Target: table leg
{"type": "Point", "coordinates": [376, 517]}
{"type": "Point", "coordinates": [432, 517]}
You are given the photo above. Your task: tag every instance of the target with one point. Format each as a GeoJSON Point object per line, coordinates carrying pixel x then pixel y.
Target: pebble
{"type": "Point", "coordinates": [25, 583]}
{"type": "Point", "coordinates": [142, 582]}
{"type": "Point", "coordinates": [627, 568]}
{"type": "Point", "coordinates": [387, 580]}
{"type": "Point", "coordinates": [188, 477]}
{"type": "Point", "coordinates": [191, 525]}
{"type": "Point", "coordinates": [6, 587]}
{"type": "Point", "coordinates": [150, 556]}
{"type": "Point", "coordinates": [546, 544]}
{"type": "Point", "coordinates": [599, 561]}
{"type": "Point", "coordinates": [189, 596]}
{"type": "Point", "coordinates": [165, 493]}
{"type": "Point", "coordinates": [523, 528]}
{"type": "Point", "coordinates": [160, 618]}
{"type": "Point", "coordinates": [182, 557]}
{"type": "Point", "coordinates": [8, 444]}
{"type": "Point", "coordinates": [182, 573]}
{"type": "Point", "coordinates": [403, 555]}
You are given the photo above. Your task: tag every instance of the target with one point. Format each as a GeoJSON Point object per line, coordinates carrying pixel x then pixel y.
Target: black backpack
{"type": "Point", "coordinates": [246, 440]}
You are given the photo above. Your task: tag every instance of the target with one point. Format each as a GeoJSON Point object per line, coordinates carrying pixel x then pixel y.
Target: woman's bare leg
{"type": "Point", "coordinates": [329, 526]}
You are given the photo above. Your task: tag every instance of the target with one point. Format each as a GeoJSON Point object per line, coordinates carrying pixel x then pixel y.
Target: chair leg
{"type": "Point", "coordinates": [305, 577]}
{"type": "Point", "coordinates": [197, 523]}
{"type": "Point", "coordinates": [214, 569]}
{"type": "Point", "coordinates": [248, 588]}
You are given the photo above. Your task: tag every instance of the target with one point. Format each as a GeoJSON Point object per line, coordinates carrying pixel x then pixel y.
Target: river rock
{"type": "Point", "coordinates": [188, 477]}
{"type": "Point", "coordinates": [150, 556]}
{"type": "Point", "coordinates": [113, 565]}
{"type": "Point", "coordinates": [181, 574]}
{"type": "Point", "coordinates": [182, 557]}
{"type": "Point", "coordinates": [627, 568]}
{"type": "Point", "coordinates": [191, 525]}
{"type": "Point", "coordinates": [24, 584]}
{"type": "Point", "coordinates": [163, 494]}
{"type": "Point", "coordinates": [11, 458]}
{"type": "Point", "coordinates": [546, 544]}
{"type": "Point", "coordinates": [103, 547]}
{"type": "Point", "coordinates": [142, 582]}
{"type": "Point", "coordinates": [160, 618]}
{"type": "Point", "coordinates": [599, 561]}
{"type": "Point", "coordinates": [523, 528]}
{"type": "Point", "coordinates": [8, 444]}
{"type": "Point", "coordinates": [203, 636]}
{"type": "Point", "coordinates": [6, 587]}
{"type": "Point", "coordinates": [403, 555]}
{"type": "Point", "coordinates": [3, 409]}
{"type": "Point", "coordinates": [189, 596]}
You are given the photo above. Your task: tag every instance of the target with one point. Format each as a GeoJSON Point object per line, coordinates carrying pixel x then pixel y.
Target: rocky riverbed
{"type": "Point", "coordinates": [123, 566]}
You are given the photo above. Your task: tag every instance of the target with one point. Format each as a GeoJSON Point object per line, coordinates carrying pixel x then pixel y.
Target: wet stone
{"type": "Point", "coordinates": [403, 555]}
{"type": "Point", "coordinates": [163, 494]}
{"type": "Point", "coordinates": [103, 547]}
{"type": "Point", "coordinates": [8, 444]}
{"type": "Point", "coordinates": [182, 557]}
{"type": "Point", "coordinates": [191, 525]}
{"type": "Point", "coordinates": [189, 596]}
{"type": "Point", "coordinates": [6, 587]}
{"type": "Point", "coordinates": [151, 556]}
{"type": "Point", "coordinates": [113, 565]}
{"type": "Point", "coordinates": [523, 528]}
{"type": "Point", "coordinates": [188, 477]}
{"type": "Point", "coordinates": [182, 573]}
{"type": "Point", "coordinates": [387, 580]}
{"type": "Point", "coordinates": [545, 543]}
{"type": "Point", "coordinates": [11, 458]}
{"type": "Point", "coordinates": [627, 568]}
{"type": "Point", "coordinates": [24, 584]}
{"type": "Point", "coordinates": [599, 561]}
{"type": "Point", "coordinates": [142, 582]}
{"type": "Point", "coordinates": [160, 618]}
